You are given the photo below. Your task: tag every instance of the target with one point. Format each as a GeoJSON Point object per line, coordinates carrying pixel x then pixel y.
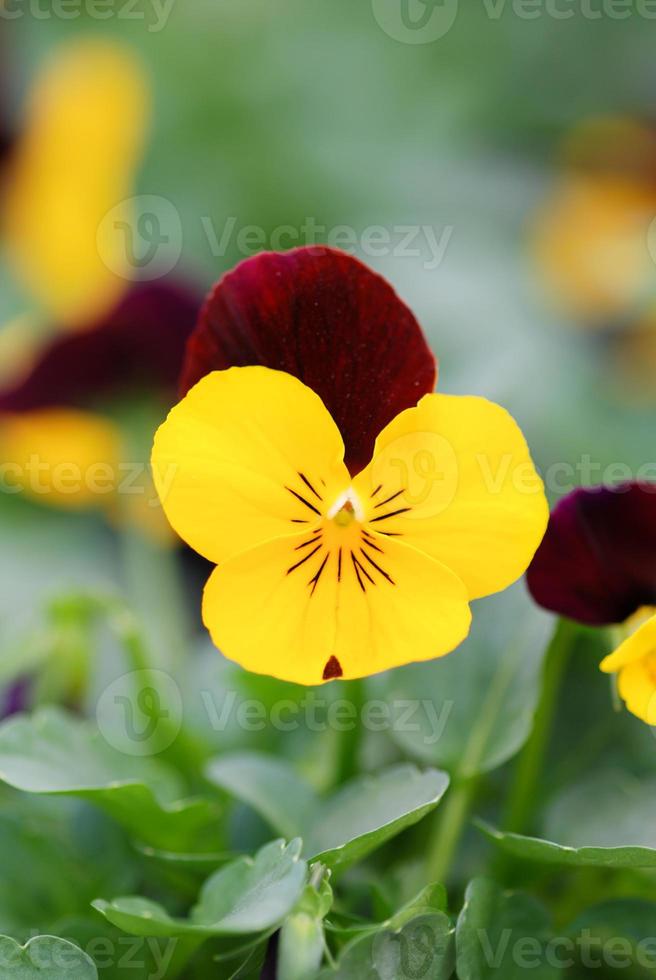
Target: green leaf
{"type": "Point", "coordinates": [421, 946]}
{"type": "Point", "coordinates": [605, 820]}
{"type": "Point", "coordinates": [72, 852]}
{"type": "Point", "coordinates": [502, 935]}
{"type": "Point", "coordinates": [344, 827]}
{"type": "Point", "coordinates": [269, 785]}
{"type": "Point", "coordinates": [548, 852]}
{"type": "Point", "coordinates": [247, 896]}
{"type": "Point", "coordinates": [44, 958]}
{"type": "Point", "coordinates": [471, 711]}
{"type": "Point", "coordinates": [52, 753]}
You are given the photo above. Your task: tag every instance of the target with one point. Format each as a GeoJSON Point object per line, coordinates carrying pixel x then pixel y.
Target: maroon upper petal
{"type": "Point", "coordinates": [140, 342]}
{"type": "Point", "coordinates": [597, 561]}
{"type": "Point", "coordinates": [326, 318]}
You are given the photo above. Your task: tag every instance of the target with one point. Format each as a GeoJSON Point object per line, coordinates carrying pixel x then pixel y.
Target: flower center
{"type": "Point", "coordinates": [346, 509]}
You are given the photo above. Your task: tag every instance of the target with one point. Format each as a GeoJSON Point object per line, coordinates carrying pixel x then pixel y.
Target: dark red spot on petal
{"type": "Point", "coordinates": [332, 669]}
{"type": "Point", "coordinates": [326, 318]}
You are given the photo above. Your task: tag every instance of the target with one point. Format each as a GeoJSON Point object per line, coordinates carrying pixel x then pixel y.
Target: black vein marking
{"type": "Point", "coordinates": [309, 486]}
{"type": "Point", "coordinates": [304, 544]}
{"type": "Point", "coordinates": [315, 578]}
{"type": "Point", "coordinates": [297, 520]}
{"type": "Point", "coordinates": [370, 543]}
{"type": "Point", "coordinates": [304, 501]}
{"type": "Point", "coordinates": [339, 565]}
{"type": "Point", "coordinates": [304, 559]}
{"type": "Point", "coordinates": [393, 513]}
{"type": "Point", "coordinates": [377, 490]}
{"type": "Point", "coordinates": [332, 669]}
{"type": "Point", "coordinates": [389, 499]}
{"type": "Point", "coordinates": [391, 534]}
{"type": "Point", "coordinates": [377, 567]}
{"type": "Point", "coordinates": [358, 569]}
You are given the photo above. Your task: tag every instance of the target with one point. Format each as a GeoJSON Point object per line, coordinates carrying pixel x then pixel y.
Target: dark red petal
{"type": "Point", "coordinates": [326, 318]}
{"type": "Point", "coordinates": [597, 561]}
{"type": "Point", "coordinates": [140, 343]}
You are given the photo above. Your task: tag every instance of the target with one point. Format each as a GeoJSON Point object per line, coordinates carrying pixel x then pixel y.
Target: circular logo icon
{"type": "Point", "coordinates": [413, 953]}
{"type": "Point", "coordinates": [415, 21]}
{"type": "Point", "coordinates": [140, 713]}
{"type": "Point", "coordinates": [140, 238]}
{"type": "Point", "coordinates": [419, 472]}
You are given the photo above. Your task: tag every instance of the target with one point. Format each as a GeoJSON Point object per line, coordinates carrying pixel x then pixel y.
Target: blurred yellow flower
{"type": "Point", "coordinates": [74, 161]}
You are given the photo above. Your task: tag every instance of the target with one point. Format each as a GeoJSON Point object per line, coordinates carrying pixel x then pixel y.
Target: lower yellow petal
{"type": "Point", "coordinates": [454, 478]}
{"type": "Point", "coordinates": [61, 457]}
{"type": "Point", "coordinates": [311, 608]}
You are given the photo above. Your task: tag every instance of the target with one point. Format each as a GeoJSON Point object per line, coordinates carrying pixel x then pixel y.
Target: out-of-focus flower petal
{"type": "Point", "coordinates": [61, 457]}
{"type": "Point", "coordinates": [597, 561]}
{"type": "Point", "coordinates": [141, 341]}
{"type": "Point", "coordinates": [590, 245]}
{"type": "Point", "coordinates": [635, 663]}
{"type": "Point", "coordinates": [326, 318]}
{"type": "Point", "coordinates": [74, 162]}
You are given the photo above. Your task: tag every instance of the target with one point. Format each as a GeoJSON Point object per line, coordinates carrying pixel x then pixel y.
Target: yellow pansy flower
{"type": "Point", "coordinates": [324, 569]}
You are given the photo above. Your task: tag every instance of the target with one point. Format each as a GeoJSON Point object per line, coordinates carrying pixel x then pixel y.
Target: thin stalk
{"type": "Point", "coordinates": [449, 829]}
{"type": "Point", "coordinates": [521, 803]}
{"type": "Point", "coordinates": [349, 741]}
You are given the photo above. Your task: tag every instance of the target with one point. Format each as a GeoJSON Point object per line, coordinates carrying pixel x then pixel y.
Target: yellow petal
{"type": "Point", "coordinates": [60, 457]}
{"type": "Point", "coordinates": [73, 164]}
{"type": "Point", "coordinates": [454, 478]}
{"type": "Point", "coordinates": [637, 688]}
{"type": "Point", "coordinates": [636, 647]}
{"type": "Point", "coordinates": [248, 455]}
{"type": "Point", "coordinates": [314, 607]}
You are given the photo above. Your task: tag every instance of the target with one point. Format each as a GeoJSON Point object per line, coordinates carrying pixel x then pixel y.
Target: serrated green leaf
{"type": "Point", "coordinates": [52, 753]}
{"type": "Point", "coordinates": [249, 895]}
{"type": "Point", "coordinates": [502, 935]}
{"type": "Point", "coordinates": [344, 827]}
{"type": "Point", "coordinates": [44, 958]}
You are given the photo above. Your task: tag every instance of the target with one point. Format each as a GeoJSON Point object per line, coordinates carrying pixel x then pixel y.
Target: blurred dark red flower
{"type": "Point", "coordinates": [323, 316]}
{"type": "Point", "coordinates": [597, 561]}
{"type": "Point", "coordinates": [139, 344]}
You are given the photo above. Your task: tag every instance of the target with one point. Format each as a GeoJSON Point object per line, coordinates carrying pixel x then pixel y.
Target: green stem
{"type": "Point", "coordinates": [449, 829]}
{"type": "Point", "coordinates": [349, 741]}
{"type": "Point", "coordinates": [521, 803]}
